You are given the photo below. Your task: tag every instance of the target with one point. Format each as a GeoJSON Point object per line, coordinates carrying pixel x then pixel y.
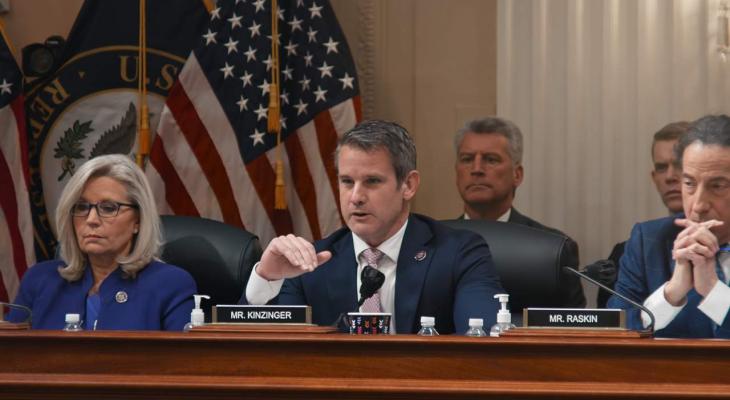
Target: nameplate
{"type": "Point", "coordinates": [574, 318]}
{"type": "Point", "coordinates": [246, 314]}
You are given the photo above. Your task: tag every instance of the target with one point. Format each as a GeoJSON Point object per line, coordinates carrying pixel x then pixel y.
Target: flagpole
{"type": "Point", "coordinates": [144, 120]}
{"type": "Point", "coordinates": [274, 124]}
{"type": "Point", "coordinates": [7, 40]}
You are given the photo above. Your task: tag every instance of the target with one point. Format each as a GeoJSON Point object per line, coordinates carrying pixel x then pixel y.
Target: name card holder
{"type": "Point", "coordinates": [574, 318]}
{"type": "Point", "coordinates": [575, 322]}
{"type": "Point", "coordinates": [10, 326]}
{"type": "Point", "coordinates": [246, 319]}
{"type": "Point", "coordinates": [247, 314]}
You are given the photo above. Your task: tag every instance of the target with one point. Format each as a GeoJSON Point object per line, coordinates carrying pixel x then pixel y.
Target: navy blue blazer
{"type": "Point", "coordinates": [159, 298]}
{"type": "Point", "coordinates": [646, 265]}
{"type": "Point", "coordinates": [455, 281]}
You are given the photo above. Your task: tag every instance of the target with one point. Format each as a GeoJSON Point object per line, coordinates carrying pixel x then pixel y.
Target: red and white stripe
{"type": "Point", "coordinates": [196, 167]}
{"type": "Point", "coordinates": [16, 225]}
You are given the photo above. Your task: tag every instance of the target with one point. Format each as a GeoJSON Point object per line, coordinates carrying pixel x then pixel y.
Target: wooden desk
{"type": "Point", "coordinates": [158, 365]}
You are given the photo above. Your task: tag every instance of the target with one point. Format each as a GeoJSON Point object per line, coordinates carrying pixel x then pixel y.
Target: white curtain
{"type": "Point", "coordinates": [589, 82]}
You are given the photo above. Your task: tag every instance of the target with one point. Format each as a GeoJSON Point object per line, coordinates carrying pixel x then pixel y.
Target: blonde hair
{"type": "Point", "coordinates": [146, 243]}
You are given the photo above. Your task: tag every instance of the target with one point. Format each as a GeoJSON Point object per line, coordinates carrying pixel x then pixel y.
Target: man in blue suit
{"type": "Point", "coordinates": [678, 266]}
{"type": "Point", "coordinates": [430, 270]}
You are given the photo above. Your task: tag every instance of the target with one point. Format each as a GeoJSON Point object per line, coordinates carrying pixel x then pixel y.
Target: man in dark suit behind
{"type": "Point", "coordinates": [679, 266]}
{"type": "Point", "coordinates": [665, 174]}
{"type": "Point", "coordinates": [488, 172]}
{"type": "Point", "coordinates": [430, 269]}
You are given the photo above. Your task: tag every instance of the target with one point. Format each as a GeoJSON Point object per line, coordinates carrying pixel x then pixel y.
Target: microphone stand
{"type": "Point", "coordinates": [19, 307]}
{"type": "Point", "coordinates": [371, 281]}
{"type": "Point", "coordinates": [649, 329]}
{"type": "Point", "coordinates": [342, 315]}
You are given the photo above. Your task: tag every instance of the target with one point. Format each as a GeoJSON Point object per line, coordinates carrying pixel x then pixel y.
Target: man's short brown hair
{"type": "Point", "coordinates": [672, 131]}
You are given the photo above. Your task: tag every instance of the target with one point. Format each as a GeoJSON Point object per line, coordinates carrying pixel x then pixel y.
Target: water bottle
{"type": "Point", "coordinates": [428, 325]}
{"type": "Point", "coordinates": [476, 328]}
{"type": "Point", "coordinates": [73, 323]}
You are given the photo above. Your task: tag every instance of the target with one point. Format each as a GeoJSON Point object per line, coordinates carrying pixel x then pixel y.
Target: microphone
{"type": "Point", "coordinates": [27, 310]}
{"type": "Point", "coordinates": [371, 280]}
{"type": "Point", "coordinates": [599, 270]}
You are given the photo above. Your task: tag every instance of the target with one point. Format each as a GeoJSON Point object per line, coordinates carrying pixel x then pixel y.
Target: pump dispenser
{"type": "Point", "coordinates": [504, 318]}
{"type": "Point", "coordinates": [197, 317]}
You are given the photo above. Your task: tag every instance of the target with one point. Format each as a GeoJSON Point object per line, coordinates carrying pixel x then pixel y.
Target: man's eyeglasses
{"type": "Point", "coordinates": [104, 209]}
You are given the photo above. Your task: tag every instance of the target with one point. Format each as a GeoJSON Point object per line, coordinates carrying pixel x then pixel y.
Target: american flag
{"type": "Point", "coordinates": [16, 227]}
{"type": "Point", "coordinates": [212, 155]}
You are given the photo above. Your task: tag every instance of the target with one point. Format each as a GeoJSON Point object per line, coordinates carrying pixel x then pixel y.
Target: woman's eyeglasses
{"type": "Point", "coordinates": [104, 209]}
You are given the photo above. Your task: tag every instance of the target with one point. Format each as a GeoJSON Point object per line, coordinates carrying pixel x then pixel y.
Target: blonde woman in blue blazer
{"type": "Point", "coordinates": [109, 272]}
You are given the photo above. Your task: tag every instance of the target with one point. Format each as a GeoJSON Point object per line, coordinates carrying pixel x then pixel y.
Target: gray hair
{"type": "Point", "coordinates": [376, 134]}
{"type": "Point", "coordinates": [494, 125]}
{"type": "Point", "coordinates": [708, 130]}
{"type": "Point", "coordinates": [146, 244]}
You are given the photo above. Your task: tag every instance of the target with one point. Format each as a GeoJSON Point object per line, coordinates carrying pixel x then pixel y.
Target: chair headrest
{"type": "Point", "coordinates": [218, 256]}
{"type": "Point", "coordinates": [528, 260]}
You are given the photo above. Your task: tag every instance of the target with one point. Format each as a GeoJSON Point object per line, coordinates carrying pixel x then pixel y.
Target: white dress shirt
{"type": "Point", "coordinates": [391, 249]}
{"type": "Point", "coordinates": [715, 305]}
{"type": "Point", "coordinates": [260, 290]}
{"type": "Point", "coordinates": [503, 218]}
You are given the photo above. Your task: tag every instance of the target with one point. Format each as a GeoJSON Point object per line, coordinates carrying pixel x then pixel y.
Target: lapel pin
{"type": "Point", "coordinates": [121, 297]}
{"type": "Point", "coordinates": [420, 256]}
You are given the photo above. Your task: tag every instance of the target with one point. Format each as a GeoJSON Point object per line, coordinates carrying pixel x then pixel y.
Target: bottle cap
{"type": "Point", "coordinates": [430, 321]}
{"type": "Point", "coordinates": [73, 318]}
{"type": "Point", "coordinates": [476, 322]}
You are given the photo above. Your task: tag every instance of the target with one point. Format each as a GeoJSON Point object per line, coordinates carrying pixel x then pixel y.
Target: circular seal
{"type": "Point", "coordinates": [88, 109]}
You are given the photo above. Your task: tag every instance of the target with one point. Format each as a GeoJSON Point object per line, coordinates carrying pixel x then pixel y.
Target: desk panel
{"type": "Point", "coordinates": [160, 365]}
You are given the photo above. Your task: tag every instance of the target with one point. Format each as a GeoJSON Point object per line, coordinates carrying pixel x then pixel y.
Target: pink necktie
{"type": "Point", "coordinates": [372, 258]}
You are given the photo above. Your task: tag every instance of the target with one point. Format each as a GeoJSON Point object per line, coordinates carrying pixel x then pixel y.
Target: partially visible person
{"type": "Point", "coordinates": [666, 176]}
{"type": "Point", "coordinates": [430, 269]}
{"type": "Point", "coordinates": [679, 266]}
{"type": "Point", "coordinates": [488, 172]}
{"type": "Point", "coordinates": [108, 272]}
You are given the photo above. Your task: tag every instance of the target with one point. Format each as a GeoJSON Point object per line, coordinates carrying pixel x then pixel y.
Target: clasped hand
{"type": "Point", "coordinates": [694, 254]}
{"type": "Point", "coordinates": [288, 257]}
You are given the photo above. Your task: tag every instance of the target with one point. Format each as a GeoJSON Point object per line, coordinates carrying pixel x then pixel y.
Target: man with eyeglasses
{"type": "Point", "coordinates": [679, 266]}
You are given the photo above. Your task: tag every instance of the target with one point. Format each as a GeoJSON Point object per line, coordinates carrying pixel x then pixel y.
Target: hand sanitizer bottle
{"type": "Point", "coordinates": [197, 317]}
{"type": "Point", "coordinates": [504, 318]}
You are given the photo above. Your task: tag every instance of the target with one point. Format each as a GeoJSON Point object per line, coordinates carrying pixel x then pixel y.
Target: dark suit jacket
{"type": "Point", "coordinates": [645, 266]}
{"type": "Point", "coordinates": [571, 290]}
{"type": "Point", "coordinates": [615, 257]}
{"type": "Point", "coordinates": [454, 282]}
{"type": "Point", "coordinates": [616, 253]}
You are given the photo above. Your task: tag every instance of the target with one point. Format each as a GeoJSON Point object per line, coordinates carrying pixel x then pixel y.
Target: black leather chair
{"type": "Point", "coordinates": [528, 261]}
{"type": "Point", "coordinates": [220, 257]}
